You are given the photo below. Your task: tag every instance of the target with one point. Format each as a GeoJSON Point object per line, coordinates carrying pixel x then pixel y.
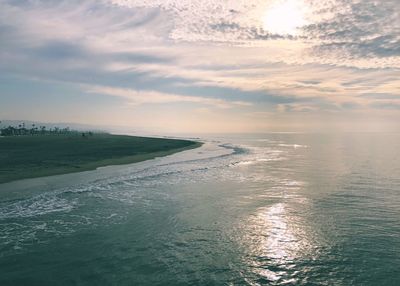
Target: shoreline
{"type": "Point", "coordinates": [40, 169]}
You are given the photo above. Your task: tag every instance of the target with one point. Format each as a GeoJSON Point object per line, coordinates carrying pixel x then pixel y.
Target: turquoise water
{"type": "Point", "coordinates": [275, 209]}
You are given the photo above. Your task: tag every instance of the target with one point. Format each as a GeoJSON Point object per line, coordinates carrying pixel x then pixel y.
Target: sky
{"type": "Point", "coordinates": [203, 66]}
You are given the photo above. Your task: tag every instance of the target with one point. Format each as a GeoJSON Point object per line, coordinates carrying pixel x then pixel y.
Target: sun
{"type": "Point", "coordinates": [284, 17]}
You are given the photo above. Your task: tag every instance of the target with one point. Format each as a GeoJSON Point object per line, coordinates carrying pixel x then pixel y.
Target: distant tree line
{"type": "Point", "coordinates": [22, 130]}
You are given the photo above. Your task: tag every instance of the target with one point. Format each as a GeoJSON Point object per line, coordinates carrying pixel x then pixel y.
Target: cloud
{"type": "Point", "coordinates": [380, 96]}
{"type": "Point", "coordinates": [341, 32]}
{"type": "Point", "coordinates": [360, 28]}
{"type": "Point", "coordinates": [390, 105]}
{"type": "Point", "coordinates": [216, 54]}
{"type": "Point", "coordinates": [138, 97]}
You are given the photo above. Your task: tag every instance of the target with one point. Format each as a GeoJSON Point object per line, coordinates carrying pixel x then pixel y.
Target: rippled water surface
{"type": "Point", "coordinates": [275, 209]}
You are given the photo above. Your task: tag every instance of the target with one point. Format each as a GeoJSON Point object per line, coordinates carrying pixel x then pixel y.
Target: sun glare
{"type": "Point", "coordinates": [284, 17]}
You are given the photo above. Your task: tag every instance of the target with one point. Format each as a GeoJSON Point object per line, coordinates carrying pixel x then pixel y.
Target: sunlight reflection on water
{"type": "Point", "coordinates": [276, 237]}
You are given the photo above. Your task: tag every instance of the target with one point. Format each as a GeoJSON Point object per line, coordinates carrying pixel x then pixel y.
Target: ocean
{"type": "Point", "coordinates": [271, 209]}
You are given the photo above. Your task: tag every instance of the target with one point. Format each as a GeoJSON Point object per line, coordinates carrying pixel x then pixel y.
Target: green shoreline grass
{"type": "Point", "coordinates": [23, 157]}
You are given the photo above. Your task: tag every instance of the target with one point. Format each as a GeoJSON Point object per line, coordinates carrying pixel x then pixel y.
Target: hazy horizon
{"type": "Point", "coordinates": [143, 131]}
